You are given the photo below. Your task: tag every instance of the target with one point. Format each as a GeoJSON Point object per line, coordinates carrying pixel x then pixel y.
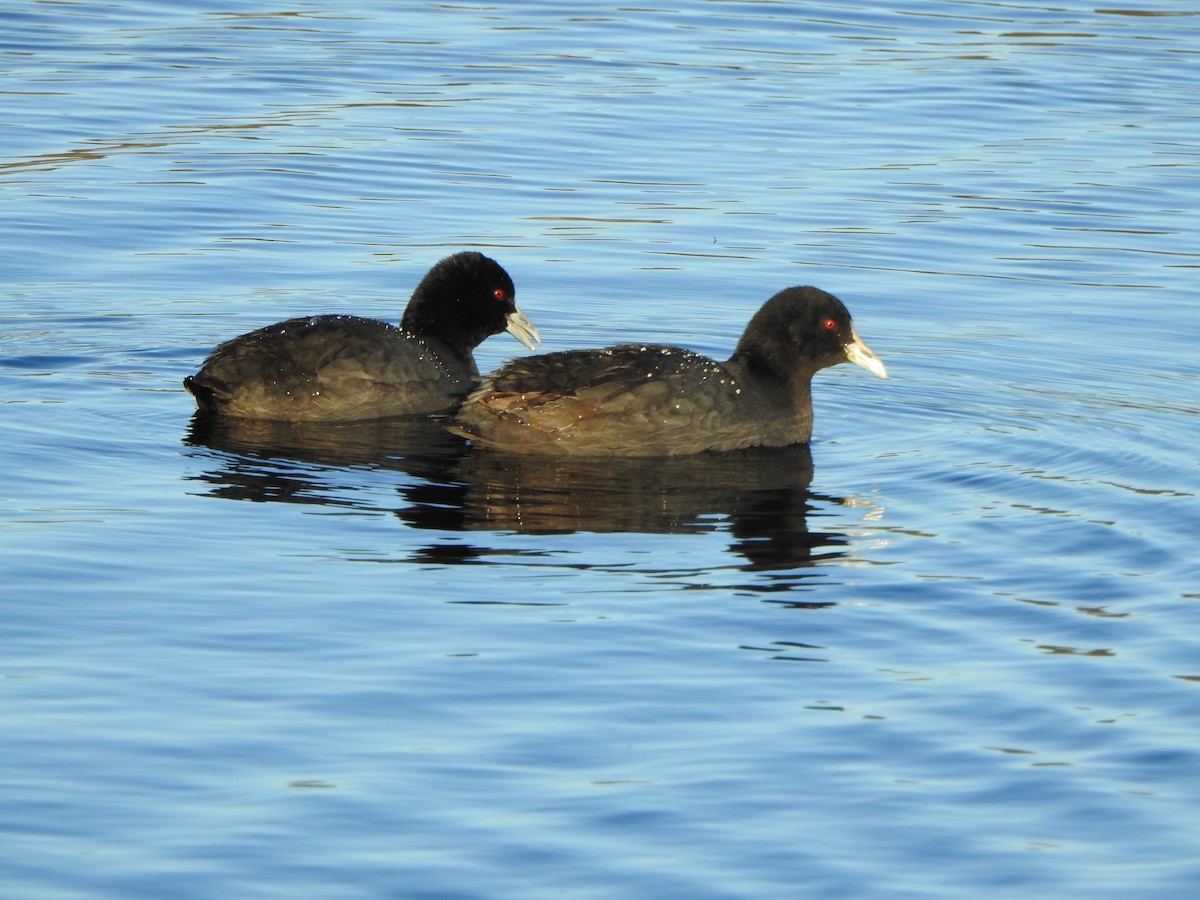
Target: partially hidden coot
{"type": "Point", "coordinates": [338, 368]}
{"type": "Point", "coordinates": [654, 400]}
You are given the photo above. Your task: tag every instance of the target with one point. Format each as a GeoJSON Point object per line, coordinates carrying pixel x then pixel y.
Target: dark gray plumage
{"type": "Point", "coordinates": [346, 368]}
{"type": "Point", "coordinates": [653, 400]}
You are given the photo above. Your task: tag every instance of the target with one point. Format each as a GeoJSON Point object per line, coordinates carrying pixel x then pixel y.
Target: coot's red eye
{"type": "Point", "coordinates": [498, 293]}
{"type": "Point", "coordinates": [830, 324]}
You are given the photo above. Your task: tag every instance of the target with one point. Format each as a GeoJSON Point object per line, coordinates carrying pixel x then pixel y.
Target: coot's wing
{"type": "Point", "coordinates": [328, 367]}
{"type": "Point", "coordinates": [630, 400]}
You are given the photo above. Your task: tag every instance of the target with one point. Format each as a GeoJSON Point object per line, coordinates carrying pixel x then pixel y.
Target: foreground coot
{"type": "Point", "coordinates": [650, 400]}
{"type": "Point", "coordinates": [344, 368]}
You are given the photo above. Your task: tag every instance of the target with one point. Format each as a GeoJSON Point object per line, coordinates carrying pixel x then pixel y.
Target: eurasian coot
{"type": "Point", "coordinates": [653, 400]}
{"type": "Point", "coordinates": [345, 368]}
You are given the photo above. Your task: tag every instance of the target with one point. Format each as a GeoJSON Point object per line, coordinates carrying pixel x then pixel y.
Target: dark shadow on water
{"type": "Point", "coordinates": [760, 497]}
{"type": "Point", "coordinates": [317, 464]}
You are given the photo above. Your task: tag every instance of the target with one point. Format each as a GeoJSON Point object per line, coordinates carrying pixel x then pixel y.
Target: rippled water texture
{"type": "Point", "coordinates": [950, 650]}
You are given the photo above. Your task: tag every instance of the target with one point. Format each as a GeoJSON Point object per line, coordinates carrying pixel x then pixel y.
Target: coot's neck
{"type": "Point", "coordinates": [438, 322]}
{"type": "Point", "coordinates": [780, 395]}
{"type": "Point", "coordinates": [792, 375]}
{"type": "Point", "coordinates": [447, 351]}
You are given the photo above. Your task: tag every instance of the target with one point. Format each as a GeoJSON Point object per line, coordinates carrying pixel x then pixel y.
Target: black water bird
{"type": "Point", "coordinates": [339, 368]}
{"type": "Point", "coordinates": [654, 400]}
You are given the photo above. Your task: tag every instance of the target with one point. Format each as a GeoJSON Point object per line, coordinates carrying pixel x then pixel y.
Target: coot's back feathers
{"type": "Point", "coordinates": [329, 368]}
{"type": "Point", "coordinates": [653, 400]}
{"type": "Point", "coordinates": [346, 368]}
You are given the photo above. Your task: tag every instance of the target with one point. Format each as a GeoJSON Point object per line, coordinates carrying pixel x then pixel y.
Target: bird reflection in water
{"type": "Point", "coordinates": [760, 496]}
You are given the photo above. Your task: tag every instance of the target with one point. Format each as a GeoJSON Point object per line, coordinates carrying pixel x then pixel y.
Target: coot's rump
{"type": "Point", "coordinates": [346, 368]}
{"type": "Point", "coordinates": [652, 400]}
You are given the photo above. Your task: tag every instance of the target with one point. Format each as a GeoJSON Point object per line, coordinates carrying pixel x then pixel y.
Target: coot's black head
{"type": "Point", "coordinates": [464, 299]}
{"type": "Point", "coordinates": [801, 330]}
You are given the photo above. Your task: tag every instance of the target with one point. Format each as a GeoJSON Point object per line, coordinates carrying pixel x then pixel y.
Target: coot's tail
{"type": "Point", "coordinates": [210, 393]}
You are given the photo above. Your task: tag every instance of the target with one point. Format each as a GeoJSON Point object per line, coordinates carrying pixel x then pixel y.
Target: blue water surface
{"type": "Point", "coordinates": [948, 650]}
